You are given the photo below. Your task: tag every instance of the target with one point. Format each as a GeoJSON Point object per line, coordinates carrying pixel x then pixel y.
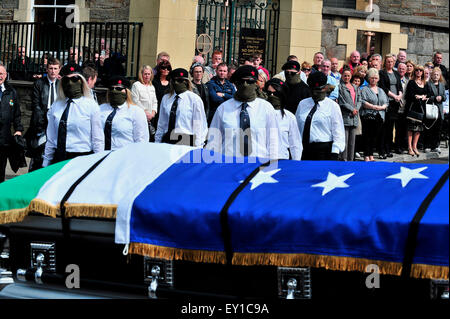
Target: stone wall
{"type": "Point", "coordinates": [109, 10]}
{"type": "Point", "coordinates": [329, 46]}
{"type": "Point", "coordinates": [7, 10]}
{"type": "Point", "coordinates": [423, 42]}
{"type": "Point", "coordinates": [428, 9]}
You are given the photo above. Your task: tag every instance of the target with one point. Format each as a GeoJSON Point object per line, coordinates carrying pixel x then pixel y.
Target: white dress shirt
{"type": "Point", "coordinates": [55, 96]}
{"type": "Point", "coordinates": [190, 119]}
{"type": "Point", "coordinates": [129, 125]}
{"type": "Point", "coordinates": [327, 124]}
{"type": "Point", "coordinates": [289, 136]}
{"type": "Point", "coordinates": [224, 132]}
{"type": "Point", "coordinates": [144, 96]}
{"type": "Point", "coordinates": [84, 127]}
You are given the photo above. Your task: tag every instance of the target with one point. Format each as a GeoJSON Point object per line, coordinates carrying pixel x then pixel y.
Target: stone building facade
{"type": "Point", "coordinates": [423, 28]}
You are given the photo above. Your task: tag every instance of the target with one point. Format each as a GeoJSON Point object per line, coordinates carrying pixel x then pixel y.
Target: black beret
{"type": "Point", "coordinates": [291, 65]}
{"type": "Point", "coordinates": [245, 71]}
{"type": "Point", "coordinates": [317, 80]}
{"type": "Point", "coordinates": [179, 73]}
{"type": "Point", "coordinates": [71, 68]}
{"type": "Point", "coordinates": [119, 81]}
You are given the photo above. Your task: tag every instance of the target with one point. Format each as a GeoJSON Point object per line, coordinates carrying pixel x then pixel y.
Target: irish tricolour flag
{"type": "Point", "coordinates": [178, 202]}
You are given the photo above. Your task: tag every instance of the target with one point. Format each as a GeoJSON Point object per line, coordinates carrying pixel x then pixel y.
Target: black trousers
{"type": "Point", "coordinates": [370, 131]}
{"type": "Point", "coordinates": [3, 162]}
{"type": "Point", "coordinates": [386, 134]}
{"type": "Point", "coordinates": [401, 135]}
{"type": "Point", "coordinates": [431, 137]}
{"type": "Point", "coordinates": [317, 152]}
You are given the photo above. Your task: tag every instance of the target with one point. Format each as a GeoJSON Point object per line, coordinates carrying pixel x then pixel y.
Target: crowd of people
{"type": "Point", "coordinates": [308, 111]}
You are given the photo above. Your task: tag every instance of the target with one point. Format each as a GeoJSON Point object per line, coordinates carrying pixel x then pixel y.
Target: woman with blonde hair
{"type": "Point", "coordinates": [416, 96]}
{"type": "Point", "coordinates": [436, 86]}
{"type": "Point", "coordinates": [374, 104]}
{"type": "Point", "coordinates": [306, 68]}
{"type": "Point", "coordinates": [144, 95]}
{"type": "Point", "coordinates": [74, 126]}
{"type": "Point", "coordinates": [123, 121]}
{"type": "Point", "coordinates": [410, 65]}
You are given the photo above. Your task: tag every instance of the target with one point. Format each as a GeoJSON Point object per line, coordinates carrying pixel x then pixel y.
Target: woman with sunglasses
{"type": "Point", "coordinates": [74, 125]}
{"type": "Point", "coordinates": [290, 140]}
{"type": "Point", "coordinates": [417, 94]}
{"type": "Point", "coordinates": [123, 121]}
{"type": "Point", "coordinates": [161, 84]}
{"type": "Point", "coordinates": [182, 118]}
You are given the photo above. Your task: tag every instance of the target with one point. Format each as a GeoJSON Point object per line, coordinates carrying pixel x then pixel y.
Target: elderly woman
{"type": "Point", "coordinates": [123, 121]}
{"type": "Point", "coordinates": [374, 104]}
{"type": "Point", "coordinates": [74, 124]}
{"type": "Point", "coordinates": [416, 96]}
{"type": "Point", "coordinates": [391, 84]}
{"type": "Point", "coordinates": [261, 83]}
{"type": "Point", "coordinates": [144, 95]}
{"type": "Point", "coordinates": [436, 87]}
{"type": "Point", "coordinates": [350, 102]}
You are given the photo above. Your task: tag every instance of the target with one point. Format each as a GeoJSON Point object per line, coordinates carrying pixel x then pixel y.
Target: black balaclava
{"type": "Point", "coordinates": [116, 98]}
{"type": "Point", "coordinates": [179, 86]}
{"type": "Point", "coordinates": [72, 90]}
{"type": "Point", "coordinates": [292, 79]}
{"type": "Point", "coordinates": [245, 92]}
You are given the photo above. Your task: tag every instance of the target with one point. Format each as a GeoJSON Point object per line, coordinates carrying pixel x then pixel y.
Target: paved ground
{"type": "Point", "coordinates": [430, 157]}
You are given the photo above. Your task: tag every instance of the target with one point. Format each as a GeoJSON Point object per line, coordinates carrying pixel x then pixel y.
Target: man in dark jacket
{"type": "Point", "coordinates": [297, 88]}
{"type": "Point", "coordinates": [9, 114]}
{"type": "Point", "coordinates": [198, 87]}
{"type": "Point", "coordinates": [437, 62]}
{"type": "Point", "coordinates": [44, 94]}
{"type": "Point", "coordinates": [220, 89]}
{"type": "Point", "coordinates": [21, 68]}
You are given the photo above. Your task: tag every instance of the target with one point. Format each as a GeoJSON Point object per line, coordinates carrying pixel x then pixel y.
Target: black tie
{"type": "Point", "coordinates": [173, 115]}
{"type": "Point", "coordinates": [108, 129]}
{"type": "Point", "coordinates": [62, 129]}
{"type": "Point", "coordinates": [245, 144]}
{"type": "Point", "coordinates": [52, 94]}
{"type": "Point", "coordinates": [307, 128]}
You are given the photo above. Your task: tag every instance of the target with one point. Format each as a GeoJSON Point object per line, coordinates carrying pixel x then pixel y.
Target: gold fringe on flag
{"type": "Point", "coordinates": [89, 210]}
{"type": "Point", "coordinates": [13, 216]}
{"type": "Point", "coordinates": [43, 207]}
{"type": "Point", "coordinates": [288, 260]}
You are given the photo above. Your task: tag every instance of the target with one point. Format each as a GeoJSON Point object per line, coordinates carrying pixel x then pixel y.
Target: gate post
{"type": "Point", "coordinates": [300, 30]}
{"type": "Point", "coordinates": [167, 26]}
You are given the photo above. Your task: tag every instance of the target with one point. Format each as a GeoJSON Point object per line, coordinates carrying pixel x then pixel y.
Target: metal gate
{"type": "Point", "coordinates": [223, 21]}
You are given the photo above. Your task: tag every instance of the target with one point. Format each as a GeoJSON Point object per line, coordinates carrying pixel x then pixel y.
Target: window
{"type": "Point", "coordinates": [52, 33]}
{"type": "Point", "coordinates": [345, 4]}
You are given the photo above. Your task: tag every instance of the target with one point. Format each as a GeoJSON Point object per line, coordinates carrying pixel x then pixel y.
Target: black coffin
{"type": "Point", "coordinates": [103, 267]}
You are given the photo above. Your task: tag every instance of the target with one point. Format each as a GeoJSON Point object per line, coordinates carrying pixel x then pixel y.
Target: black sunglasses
{"type": "Point", "coordinates": [74, 79]}
{"type": "Point", "coordinates": [116, 88]}
{"type": "Point", "coordinates": [291, 72]}
{"type": "Point", "coordinates": [306, 70]}
{"type": "Point", "coordinates": [165, 68]}
{"type": "Point", "coordinates": [248, 81]}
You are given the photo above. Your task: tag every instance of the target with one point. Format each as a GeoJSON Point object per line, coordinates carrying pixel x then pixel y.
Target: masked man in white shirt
{"type": "Point", "coordinates": [245, 125]}
{"type": "Point", "coordinates": [320, 122]}
{"type": "Point", "coordinates": [182, 118]}
{"type": "Point", "coordinates": [74, 125]}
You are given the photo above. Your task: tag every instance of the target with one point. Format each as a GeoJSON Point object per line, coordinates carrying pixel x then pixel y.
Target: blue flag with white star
{"type": "Point", "coordinates": [338, 215]}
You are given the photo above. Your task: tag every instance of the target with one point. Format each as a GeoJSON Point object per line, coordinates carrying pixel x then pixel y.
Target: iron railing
{"type": "Point", "coordinates": [223, 20]}
{"type": "Point", "coordinates": [117, 40]}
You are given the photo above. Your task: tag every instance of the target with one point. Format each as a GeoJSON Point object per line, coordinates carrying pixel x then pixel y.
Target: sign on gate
{"type": "Point", "coordinates": [251, 41]}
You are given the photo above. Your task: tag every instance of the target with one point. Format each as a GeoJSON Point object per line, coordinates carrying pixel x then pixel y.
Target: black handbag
{"type": "Point", "coordinates": [414, 116]}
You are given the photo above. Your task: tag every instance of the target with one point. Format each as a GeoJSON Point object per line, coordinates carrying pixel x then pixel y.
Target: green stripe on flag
{"type": "Point", "coordinates": [17, 193]}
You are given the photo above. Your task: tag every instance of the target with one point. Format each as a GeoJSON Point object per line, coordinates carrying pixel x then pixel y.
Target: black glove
{"type": "Point", "coordinates": [334, 157]}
